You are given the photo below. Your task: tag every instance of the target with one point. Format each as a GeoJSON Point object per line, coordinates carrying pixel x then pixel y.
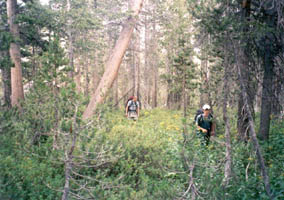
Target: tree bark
{"type": "Point", "coordinates": [87, 79]}
{"type": "Point", "coordinates": [169, 80]}
{"type": "Point", "coordinates": [78, 76]}
{"type": "Point", "coordinates": [147, 67]}
{"type": "Point", "coordinates": [266, 96]}
{"type": "Point", "coordinates": [270, 53]}
{"type": "Point", "coordinates": [114, 61]}
{"type": "Point", "coordinates": [137, 44]}
{"type": "Point", "coordinates": [245, 70]}
{"type": "Point", "coordinates": [133, 65]}
{"type": "Point", "coordinates": [154, 66]}
{"type": "Point", "coordinates": [68, 162]}
{"type": "Point", "coordinates": [16, 71]}
{"type": "Point", "coordinates": [116, 92]}
{"type": "Point", "coordinates": [258, 92]}
{"type": "Point", "coordinates": [205, 75]}
{"type": "Point", "coordinates": [277, 87]}
{"type": "Point", "coordinates": [70, 41]}
{"type": "Point", "coordinates": [155, 88]}
{"type": "Point", "coordinates": [252, 132]}
{"type": "Point", "coordinates": [228, 164]}
{"type": "Point", "coordinates": [95, 75]}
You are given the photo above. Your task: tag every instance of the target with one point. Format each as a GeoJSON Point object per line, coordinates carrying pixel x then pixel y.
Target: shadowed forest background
{"type": "Point", "coordinates": [68, 67]}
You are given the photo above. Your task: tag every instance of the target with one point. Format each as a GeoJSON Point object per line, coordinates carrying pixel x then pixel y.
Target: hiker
{"type": "Point", "coordinates": [132, 108]}
{"type": "Point", "coordinates": [205, 125]}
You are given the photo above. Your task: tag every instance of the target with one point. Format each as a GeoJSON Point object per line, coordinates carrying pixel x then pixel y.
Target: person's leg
{"type": "Point", "coordinates": [201, 136]}
{"type": "Point", "coordinates": [207, 139]}
{"type": "Point", "coordinates": [132, 115]}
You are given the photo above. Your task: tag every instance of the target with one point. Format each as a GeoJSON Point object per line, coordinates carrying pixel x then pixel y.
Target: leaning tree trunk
{"type": "Point", "coordinates": [114, 61]}
{"type": "Point", "coordinates": [16, 71]}
{"type": "Point", "coordinates": [252, 131]}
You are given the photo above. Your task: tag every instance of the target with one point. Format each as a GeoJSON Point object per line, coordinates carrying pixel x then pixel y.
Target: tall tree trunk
{"type": "Point", "coordinates": [245, 70]}
{"type": "Point", "coordinates": [116, 92]}
{"type": "Point", "coordinates": [95, 74]}
{"type": "Point", "coordinates": [68, 161]}
{"type": "Point", "coordinates": [252, 132]}
{"type": "Point", "coordinates": [78, 76]}
{"type": "Point", "coordinates": [33, 60]}
{"type": "Point", "coordinates": [277, 83]}
{"type": "Point", "coordinates": [258, 92]}
{"type": "Point", "coordinates": [155, 88]}
{"type": "Point", "coordinates": [269, 55]}
{"type": "Point", "coordinates": [154, 66]}
{"type": "Point", "coordinates": [266, 95]}
{"type": "Point", "coordinates": [147, 68]}
{"type": "Point", "coordinates": [137, 47]}
{"type": "Point", "coordinates": [184, 99]}
{"type": "Point", "coordinates": [114, 61]}
{"type": "Point", "coordinates": [205, 96]}
{"type": "Point", "coordinates": [133, 66]}
{"type": "Point", "coordinates": [70, 41]}
{"type": "Point", "coordinates": [87, 79]}
{"type": "Point", "coordinates": [16, 71]}
{"type": "Point", "coordinates": [205, 75]}
{"type": "Point", "coordinates": [228, 164]}
{"type": "Point", "coordinates": [169, 80]}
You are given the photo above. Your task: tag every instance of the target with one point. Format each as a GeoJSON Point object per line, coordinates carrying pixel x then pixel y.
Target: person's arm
{"type": "Point", "coordinates": [138, 110]}
{"type": "Point", "coordinates": [126, 110]}
{"type": "Point", "coordinates": [199, 128]}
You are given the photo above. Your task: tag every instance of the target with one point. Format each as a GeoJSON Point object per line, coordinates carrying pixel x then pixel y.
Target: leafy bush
{"type": "Point", "coordinates": [117, 158]}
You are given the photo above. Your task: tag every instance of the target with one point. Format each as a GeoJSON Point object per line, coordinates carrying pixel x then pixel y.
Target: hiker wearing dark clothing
{"type": "Point", "coordinates": [205, 125]}
{"type": "Point", "coordinates": [132, 109]}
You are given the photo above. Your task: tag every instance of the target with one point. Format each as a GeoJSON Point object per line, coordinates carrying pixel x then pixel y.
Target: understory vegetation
{"type": "Point", "coordinates": [117, 158]}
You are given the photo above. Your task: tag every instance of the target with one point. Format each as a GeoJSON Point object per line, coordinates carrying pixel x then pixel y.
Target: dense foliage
{"type": "Point", "coordinates": [147, 159]}
{"type": "Point", "coordinates": [180, 56]}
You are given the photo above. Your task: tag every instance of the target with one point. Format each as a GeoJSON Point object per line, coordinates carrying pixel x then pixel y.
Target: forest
{"type": "Point", "coordinates": [69, 131]}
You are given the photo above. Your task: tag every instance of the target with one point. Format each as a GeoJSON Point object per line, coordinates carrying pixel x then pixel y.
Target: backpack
{"type": "Point", "coordinates": [133, 106]}
{"type": "Point", "coordinates": [198, 112]}
{"type": "Point", "coordinates": [129, 99]}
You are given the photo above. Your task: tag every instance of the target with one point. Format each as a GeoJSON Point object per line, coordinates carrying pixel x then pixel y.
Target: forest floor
{"type": "Point", "coordinates": [146, 159]}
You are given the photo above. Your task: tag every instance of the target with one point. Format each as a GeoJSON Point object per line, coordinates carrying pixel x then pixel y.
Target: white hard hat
{"type": "Point", "coordinates": [206, 107]}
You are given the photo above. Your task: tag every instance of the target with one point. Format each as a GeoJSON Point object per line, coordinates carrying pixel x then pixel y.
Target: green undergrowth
{"type": "Point", "coordinates": [151, 151]}
{"type": "Point", "coordinates": [150, 158]}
